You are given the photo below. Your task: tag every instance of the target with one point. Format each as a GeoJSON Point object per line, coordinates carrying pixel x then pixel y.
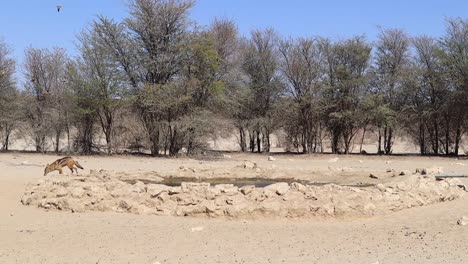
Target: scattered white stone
{"type": "Point", "coordinates": [24, 162]}
{"type": "Point", "coordinates": [249, 165]}
{"type": "Point", "coordinates": [360, 161]}
{"type": "Point", "coordinates": [227, 156]}
{"type": "Point", "coordinates": [460, 164]}
{"type": "Point", "coordinates": [381, 187]}
{"type": "Point", "coordinates": [138, 187]}
{"type": "Point", "coordinates": [247, 189]}
{"type": "Point", "coordinates": [333, 160]}
{"type": "Point", "coordinates": [463, 221]}
{"type": "Point", "coordinates": [430, 171]}
{"type": "Point", "coordinates": [388, 162]}
{"type": "Point", "coordinates": [280, 188]}
{"type": "Point", "coordinates": [61, 192]}
{"type": "Point", "coordinates": [197, 229]}
{"type": "Point", "coordinates": [271, 158]}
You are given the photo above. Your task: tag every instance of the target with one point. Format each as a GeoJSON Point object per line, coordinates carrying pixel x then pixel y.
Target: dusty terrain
{"type": "Point", "coordinates": [425, 234]}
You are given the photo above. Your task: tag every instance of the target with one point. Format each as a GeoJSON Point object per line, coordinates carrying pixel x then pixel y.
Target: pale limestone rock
{"type": "Point", "coordinates": [249, 165]}
{"type": "Point", "coordinates": [279, 188]}
{"type": "Point", "coordinates": [463, 221]}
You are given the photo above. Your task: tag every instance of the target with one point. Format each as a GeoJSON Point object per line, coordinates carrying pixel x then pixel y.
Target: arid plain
{"type": "Point", "coordinates": [422, 234]}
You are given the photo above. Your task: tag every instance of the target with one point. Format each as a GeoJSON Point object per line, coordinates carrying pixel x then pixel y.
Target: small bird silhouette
{"type": "Point", "coordinates": [58, 8]}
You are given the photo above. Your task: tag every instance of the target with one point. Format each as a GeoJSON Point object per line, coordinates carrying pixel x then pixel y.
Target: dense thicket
{"type": "Point", "coordinates": [157, 81]}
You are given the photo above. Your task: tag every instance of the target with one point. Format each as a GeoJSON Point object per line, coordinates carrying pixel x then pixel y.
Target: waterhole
{"type": "Point", "coordinates": [239, 182]}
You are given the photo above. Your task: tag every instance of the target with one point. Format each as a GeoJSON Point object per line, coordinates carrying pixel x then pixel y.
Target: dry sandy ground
{"type": "Point", "coordinates": [421, 235]}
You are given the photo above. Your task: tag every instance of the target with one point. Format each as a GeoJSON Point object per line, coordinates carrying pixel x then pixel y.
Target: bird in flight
{"type": "Point", "coordinates": [58, 8]}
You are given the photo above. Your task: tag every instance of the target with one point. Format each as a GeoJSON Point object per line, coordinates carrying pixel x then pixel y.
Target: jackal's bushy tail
{"type": "Point", "coordinates": [78, 165]}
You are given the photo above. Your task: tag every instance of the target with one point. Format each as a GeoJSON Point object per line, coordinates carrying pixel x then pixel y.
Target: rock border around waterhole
{"type": "Point", "coordinates": [100, 192]}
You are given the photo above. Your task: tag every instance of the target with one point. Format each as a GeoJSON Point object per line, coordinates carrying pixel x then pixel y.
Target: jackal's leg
{"type": "Point", "coordinates": [60, 171]}
{"type": "Point", "coordinates": [71, 169]}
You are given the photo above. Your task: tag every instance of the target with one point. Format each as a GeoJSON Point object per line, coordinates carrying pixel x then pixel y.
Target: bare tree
{"type": "Point", "coordinates": [234, 102]}
{"type": "Point", "coordinates": [46, 108]}
{"type": "Point", "coordinates": [9, 108]}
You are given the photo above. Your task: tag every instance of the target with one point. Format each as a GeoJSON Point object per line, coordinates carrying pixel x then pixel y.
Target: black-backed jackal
{"type": "Point", "coordinates": [60, 163]}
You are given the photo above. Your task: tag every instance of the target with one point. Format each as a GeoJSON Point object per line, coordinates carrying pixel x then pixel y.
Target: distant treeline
{"type": "Point", "coordinates": [168, 84]}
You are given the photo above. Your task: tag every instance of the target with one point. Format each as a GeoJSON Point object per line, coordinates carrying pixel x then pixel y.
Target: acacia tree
{"type": "Point", "coordinates": [103, 76]}
{"type": "Point", "coordinates": [148, 46]}
{"type": "Point", "coordinates": [301, 64]}
{"type": "Point", "coordinates": [83, 108]}
{"type": "Point", "coordinates": [9, 96]}
{"type": "Point", "coordinates": [233, 100]}
{"type": "Point", "coordinates": [347, 64]}
{"type": "Point", "coordinates": [427, 92]}
{"type": "Point", "coordinates": [260, 63]}
{"type": "Point", "coordinates": [391, 62]}
{"type": "Point", "coordinates": [455, 63]}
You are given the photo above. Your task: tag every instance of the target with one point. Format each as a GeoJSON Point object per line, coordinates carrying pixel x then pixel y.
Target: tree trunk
{"type": "Point", "coordinates": [108, 141]}
{"type": "Point", "coordinates": [305, 149]}
{"type": "Point", "coordinates": [447, 137]}
{"type": "Point", "coordinates": [266, 140]}
{"type": "Point", "coordinates": [243, 144]}
{"type": "Point", "coordinates": [252, 141]}
{"type": "Point", "coordinates": [259, 142]}
{"type": "Point", "coordinates": [388, 141]}
{"type": "Point", "coordinates": [68, 139]}
{"type": "Point", "coordinates": [173, 145]}
{"type": "Point", "coordinates": [362, 139]}
{"type": "Point", "coordinates": [422, 143]}
{"type": "Point", "coordinates": [335, 141]}
{"type": "Point", "coordinates": [57, 141]}
{"type": "Point", "coordinates": [40, 143]}
{"type": "Point", "coordinates": [154, 145]}
{"type": "Point", "coordinates": [436, 130]}
{"type": "Point", "coordinates": [6, 142]}
{"type": "Point", "coordinates": [457, 140]}
{"type": "Point", "coordinates": [379, 150]}
{"type": "Point", "coordinates": [154, 139]}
